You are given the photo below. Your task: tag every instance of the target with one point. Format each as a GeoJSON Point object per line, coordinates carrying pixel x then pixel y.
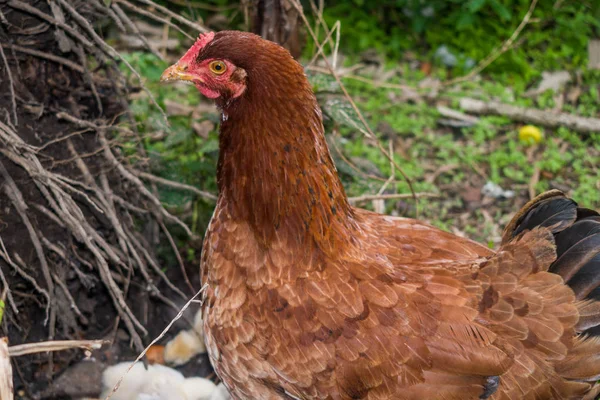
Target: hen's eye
{"type": "Point", "coordinates": [217, 67]}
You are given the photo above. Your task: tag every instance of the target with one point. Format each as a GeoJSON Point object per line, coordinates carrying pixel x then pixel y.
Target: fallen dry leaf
{"type": "Point", "coordinates": [203, 128]}
{"type": "Point", "coordinates": [550, 80]}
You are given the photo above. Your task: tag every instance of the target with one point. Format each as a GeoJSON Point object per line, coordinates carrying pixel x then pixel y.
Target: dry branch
{"type": "Point", "coordinates": [371, 197]}
{"type": "Point", "coordinates": [16, 197]}
{"type": "Point", "coordinates": [19, 5]}
{"type": "Point", "coordinates": [176, 185]}
{"type": "Point", "coordinates": [6, 381]}
{"type": "Point", "coordinates": [119, 13]}
{"type": "Point", "coordinates": [185, 21]}
{"type": "Point", "coordinates": [72, 303]}
{"type": "Point", "coordinates": [177, 255]}
{"type": "Point", "coordinates": [46, 56]}
{"type": "Point", "coordinates": [87, 280]}
{"type": "Point", "coordinates": [454, 114]}
{"type": "Point", "coordinates": [19, 266]}
{"type": "Point", "coordinates": [88, 77]}
{"type": "Point", "coordinates": [150, 15]}
{"type": "Point", "coordinates": [109, 50]}
{"type": "Point", "coordinates": [12, 87]}
{"type": "Point", "coordinates": [136, 181]}
{"type": "Point", "coordinates": [53, 187]}
{"type": "Point", "coordinates": [54, 345]}
{"type": "Point", "coordinates": [6, 289]}
{"type": "Point", "coordinates": [531, 115]}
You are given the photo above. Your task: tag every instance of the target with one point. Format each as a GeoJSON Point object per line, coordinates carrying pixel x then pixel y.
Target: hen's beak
{"type": "Point", "coordinates": [178, 72]}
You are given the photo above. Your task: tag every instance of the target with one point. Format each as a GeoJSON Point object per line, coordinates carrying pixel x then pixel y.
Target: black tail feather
{"type": "Point", "coordinates": [555, 213]}
{"type": "Point", "coordinates": [577, 236]}
{"type": "Point", "coordinates": [594, 294]}
{"type": "Point", "coordinates": [588, 278]}
{"type": "Point", "coordinates": [576, 248]}
{"type": "Point", "coordinates": [586, 213]}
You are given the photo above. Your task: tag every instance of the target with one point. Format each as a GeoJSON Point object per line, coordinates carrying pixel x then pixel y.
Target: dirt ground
{"type": "Point", "coordinates": [62, 292]}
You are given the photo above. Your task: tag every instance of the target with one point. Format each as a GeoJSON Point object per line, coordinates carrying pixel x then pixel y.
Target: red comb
{"type": "Point", "coordinates": [201, 42]}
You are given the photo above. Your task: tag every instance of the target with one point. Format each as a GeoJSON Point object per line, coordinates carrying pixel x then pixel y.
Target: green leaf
{"type": "Point", "coordinates": [465, 20]}
{"type": "Point", "coordinates": [476, 5]}
{"type": "Point", "coordinates": [209, 146]}
{"type": "Point", "coordinates": [2, 305]}
{"type": "Point", "coordinates": [177, 136]}
{"type": "Point", "coordinates": [501, 10]}
{"type": "Point", "coordinates": [323, 83]}
{"type": "Point", "coordinates": [342, 112]}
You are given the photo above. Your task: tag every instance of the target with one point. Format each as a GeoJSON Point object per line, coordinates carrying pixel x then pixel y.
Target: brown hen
{"type": "Point", "coordinates": [311, 298]}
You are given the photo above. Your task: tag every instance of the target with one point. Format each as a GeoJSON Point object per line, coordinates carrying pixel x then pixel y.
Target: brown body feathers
{"type": "Point", "coordinates": [310, 298]}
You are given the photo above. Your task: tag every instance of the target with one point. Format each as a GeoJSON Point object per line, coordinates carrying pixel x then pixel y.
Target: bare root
{"type": "Point", "coordinates": [102, 242]}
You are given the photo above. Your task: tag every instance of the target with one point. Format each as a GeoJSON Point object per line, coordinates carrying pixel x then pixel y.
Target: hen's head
{"type": "Point", "coordinates": [224, 65]}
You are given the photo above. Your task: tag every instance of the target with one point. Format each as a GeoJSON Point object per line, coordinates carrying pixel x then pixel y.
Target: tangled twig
{"type": "Point", "coordinates": [367, 131]}
{"type": "Point", "coordinates": [109, 50]}
{"type": "Point", "coordinates": [19, 5]}
{"type": "Point", "coordinates": [153, 16]}
{"type": "Point", "coordinates": [11, 300]}
{"type": "Point", "coordinates": [121, 16]}
{"type": "Point", "coordinates": [166, 11]}
{"type": "Point", "coordinates": [16, 197]}
{"type": "Point", "coordinates": [47, 56]}
{"type": "Point", "coordinates": [52, 186]}
{"type": "Point", "coordinates": [176, 185]}
{"type": "Point", "coordinates": [12, 87]}
{"type": "Point", "coordinates": [77, 181]}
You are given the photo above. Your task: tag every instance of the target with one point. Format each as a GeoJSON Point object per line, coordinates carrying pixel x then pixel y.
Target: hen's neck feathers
{"type": "Point", "coordinates": [275, 170]}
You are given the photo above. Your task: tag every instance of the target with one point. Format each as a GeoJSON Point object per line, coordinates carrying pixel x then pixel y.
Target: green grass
{"type": "Point", "coordinates": [565, 159]}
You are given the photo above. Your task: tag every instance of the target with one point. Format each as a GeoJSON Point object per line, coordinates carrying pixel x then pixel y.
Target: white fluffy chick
{"type": "Point", "coordinates": [156, 383]}
{"type": "Point", "coordinates": [198, 323]}
{"type": "Point", "coordinates": [192, 386]}
{"type": "Point", "coordinates": [186, 344]}
{"type": "Point", "coordinates": [220, 393]}
{"type": "Point", "coordinates": [183, 347]}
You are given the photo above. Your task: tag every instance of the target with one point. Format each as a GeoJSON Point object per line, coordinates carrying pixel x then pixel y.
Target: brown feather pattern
{"type": "Point", "coordinates": [310, 298]}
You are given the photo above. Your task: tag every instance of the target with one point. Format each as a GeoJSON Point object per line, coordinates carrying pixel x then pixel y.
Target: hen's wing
{"type": "Point", "coordinates": [507, 322]}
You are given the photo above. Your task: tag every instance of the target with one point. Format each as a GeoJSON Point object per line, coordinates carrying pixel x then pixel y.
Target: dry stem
{"type": "Point", "coordinates": [46, 56]}
{"type": "Point", "coordinates": [16, 197]}
{"type": "Point", "coordinates": [493, 56]}
{"type": "Point", "coordinates": [54, 345]}
{"type": "Point", "coordinates": [11, 83]}
{"type": "Point", "coordinates": [6, 381]}
{"type": "Point", "coordinates": [153, 16]}
{"type": "Point", "coordinates": [6, 289]}
{"type": "Point", "coordinates": [369, 133]}
{"type": "Point", "coordinates": [175, 16]}
{"type": "Point", "coordinates": [370, 197]}
{"type": "Point", "coordinates": [176, 185]}
{"type": "Point", "coordinates": [156, 339]}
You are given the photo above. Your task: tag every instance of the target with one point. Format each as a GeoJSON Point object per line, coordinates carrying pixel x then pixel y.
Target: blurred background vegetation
{"type": "Point", "coordinates": [396, 59]}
